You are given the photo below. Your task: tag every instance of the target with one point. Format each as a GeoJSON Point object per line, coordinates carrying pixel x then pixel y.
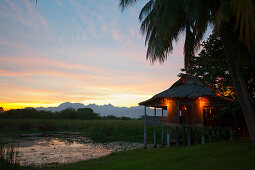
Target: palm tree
{"type": "Point", "coordinates": [163, 21]}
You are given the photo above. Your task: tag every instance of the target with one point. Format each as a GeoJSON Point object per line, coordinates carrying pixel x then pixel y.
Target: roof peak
{"type": "Point", "coordinates": [184, 78]}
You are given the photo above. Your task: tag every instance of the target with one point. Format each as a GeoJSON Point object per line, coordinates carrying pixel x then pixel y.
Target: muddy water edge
{"type": "Point", "coordinates": [61, 148]}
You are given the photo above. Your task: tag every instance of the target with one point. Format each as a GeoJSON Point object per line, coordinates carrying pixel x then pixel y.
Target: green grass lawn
{"type": "Point", "coordinates": [223, 155]}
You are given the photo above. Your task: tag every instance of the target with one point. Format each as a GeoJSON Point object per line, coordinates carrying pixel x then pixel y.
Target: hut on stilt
{"type": "Point", "coordinates": [188, 104]}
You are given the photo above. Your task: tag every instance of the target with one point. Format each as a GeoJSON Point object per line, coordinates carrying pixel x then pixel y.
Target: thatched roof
{"type": "Point", "coordinates": [186, 87]}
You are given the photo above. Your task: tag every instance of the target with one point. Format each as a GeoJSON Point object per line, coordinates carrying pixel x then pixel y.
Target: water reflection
{"type": "Point", "coordinates": [42, 151]}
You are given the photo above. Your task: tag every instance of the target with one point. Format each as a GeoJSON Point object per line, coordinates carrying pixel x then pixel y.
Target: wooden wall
{"type": "Point", "coordinates": [195, 115]}
{"type": "Point", "coordinates": [172, 111]}
{"type": "Point", "coordinates": [197, 112]}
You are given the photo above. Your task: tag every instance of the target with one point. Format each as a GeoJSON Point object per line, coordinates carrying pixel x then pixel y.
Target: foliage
{"type": "Point", "coordinates": [69, 113]}
{"type": "Point", "coordinates": [1, 110]}
{"type": "Point", "coordinates": [82, 113]}
{"type": "Point", "coordinates": [98, 130]}
{"type": "Point", "coordinates": [112, 117]}
{"type": "Point", "coordinates": [28, 113]}
{"type": "Point", "coordinates": [233, 112]}
{"type": "Point", "coordinates": [164, 21]}
{"type": "Point", "coordinates": [141, 117]}
{"type": "Point", "coordinates": [211, 66]}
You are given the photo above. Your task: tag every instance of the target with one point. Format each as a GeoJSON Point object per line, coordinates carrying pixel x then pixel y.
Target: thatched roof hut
{"type": "Point", "coordinates": [189, 103]}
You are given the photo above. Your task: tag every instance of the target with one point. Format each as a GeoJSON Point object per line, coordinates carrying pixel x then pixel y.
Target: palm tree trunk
{"type": "Point", "coordinates": [238, 81]}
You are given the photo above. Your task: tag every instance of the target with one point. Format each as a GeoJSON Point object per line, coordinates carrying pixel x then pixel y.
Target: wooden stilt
{"type": "Point", "coordinates": [162, 132]}
{"type": "Point", "coordinates": [215, 135]}
{"type": "Point", "coordinates": [145, 135]}
{"type": "Point", "coordinates": [195, 135]}
{"type": "Point", "coordinates": [184, 136]}
{"type": "Point", "coordinates": [220, 134]}
{"type": "Point", "coordinates": [203, 136]}
{"type": "Point", "coordinates": [155, 138]}
{"type": "Point", "coordinates": [231, 135]}
{"type": "Point", "coordinates": [189, 136]}
{"type": "Point", "coordinates": [210, 136]}
{"type": "Point", "coordinates": [168, 138]}
{"type": "Point", "coordinates": [177, 136]}
{"type": "Point", "coordinates": [155, 133]}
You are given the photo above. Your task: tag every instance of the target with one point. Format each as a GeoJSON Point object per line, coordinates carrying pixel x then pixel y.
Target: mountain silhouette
{"type": "Point", "coordinates": [104, 110]}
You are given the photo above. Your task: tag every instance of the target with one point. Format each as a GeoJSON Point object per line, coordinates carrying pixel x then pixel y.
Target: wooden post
{"type": "Point", "coordinates": [189, 136]}
{"type": "Point", "coordinates": [162, 132]}
{"type": "Point", "coordinates": [184, 136]}
{"type": "Point", "coordinates": [210, 136]}
{"type": "Point", "coordinates": [215, 135]}
{"type": "Point", "coordinates": [203, 136]}
{"type": "Point", "coordinates": [168, 138]}
{"type": "Point", "coordinates": [227, 134]}
{"type": "Point", "coordinates": [196, 142]}
{"type": "Point", "coordinates": [231, 135]}
{"type": "Point", "coordinates": [177, 136]}
{"type": "Point", "coordinates": [155, 133]}
{"type": "Point", "coordinates": [144, 134]}
{"type": "Point", "coordinates": [220, 134]}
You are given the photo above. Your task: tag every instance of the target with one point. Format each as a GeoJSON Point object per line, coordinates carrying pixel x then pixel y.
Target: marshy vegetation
{"type": "Point", "coordinates": [8, 155]}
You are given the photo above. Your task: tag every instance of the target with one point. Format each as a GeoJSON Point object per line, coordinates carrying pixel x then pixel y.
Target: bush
{"type": "Point", "coordinates": [28, 113]}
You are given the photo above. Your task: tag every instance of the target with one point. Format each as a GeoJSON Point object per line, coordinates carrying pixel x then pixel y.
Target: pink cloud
{"type": "Point", "coordinates": [116, 35]}
{"type": "Point", "coordinates": [27, 16]}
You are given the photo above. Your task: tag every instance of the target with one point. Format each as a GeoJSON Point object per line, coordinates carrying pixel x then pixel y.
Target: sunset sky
{"type": "Point", "coordinates": [77, 51]}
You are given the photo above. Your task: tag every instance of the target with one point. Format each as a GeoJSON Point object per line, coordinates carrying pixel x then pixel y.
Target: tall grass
{"type": "Point", "coordinates": [8, 155]}
{"type": "Point", "coordinates": [97, 130]}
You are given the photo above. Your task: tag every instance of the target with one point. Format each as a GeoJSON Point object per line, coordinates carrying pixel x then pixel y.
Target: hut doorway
{"type": "Point", "coordinates": [208, 115]}
{"type": "Point", "coordinates": [184, 113]}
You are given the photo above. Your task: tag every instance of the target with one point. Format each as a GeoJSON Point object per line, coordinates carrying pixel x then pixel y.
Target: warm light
{"type": "Point", "coordinates": [201, 101]}
{"type": "Point", "coordinates": [166, 102]}
{"type": "Point", "coordinates": [9, 106]}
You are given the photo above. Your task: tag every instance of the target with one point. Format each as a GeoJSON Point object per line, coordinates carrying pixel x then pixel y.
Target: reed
{"type": "Point", "coordinates": [8, 155]}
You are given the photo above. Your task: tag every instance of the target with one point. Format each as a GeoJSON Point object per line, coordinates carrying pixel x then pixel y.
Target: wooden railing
{"type": "Point", "coordinates": [155, 120]}
{"type": "Point", "coordinates": [159, 120]}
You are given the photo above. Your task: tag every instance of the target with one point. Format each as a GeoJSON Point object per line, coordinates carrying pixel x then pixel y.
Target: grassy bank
{"type": "Point", "coordinates": [223, 155]}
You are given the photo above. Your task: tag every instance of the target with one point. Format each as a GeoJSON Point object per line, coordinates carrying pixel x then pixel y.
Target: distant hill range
{"type": "Point", "coordinates": [104, 110]}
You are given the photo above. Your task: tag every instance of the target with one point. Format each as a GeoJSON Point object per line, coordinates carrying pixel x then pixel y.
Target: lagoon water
{"type": "Point", "coordinates": [40, 151]}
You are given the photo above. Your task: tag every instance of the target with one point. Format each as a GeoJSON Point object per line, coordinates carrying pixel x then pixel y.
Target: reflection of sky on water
{"type": "Point", "coordinates": [41, 151]}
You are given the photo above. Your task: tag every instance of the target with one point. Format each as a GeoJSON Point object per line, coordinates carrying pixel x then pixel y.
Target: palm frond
{"type": "Point", "coordinates": [244, 13]}
{"type": "Point", "coordinates": [125, 3]}
{"type": "Point", "coordinates": [163, 21]}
